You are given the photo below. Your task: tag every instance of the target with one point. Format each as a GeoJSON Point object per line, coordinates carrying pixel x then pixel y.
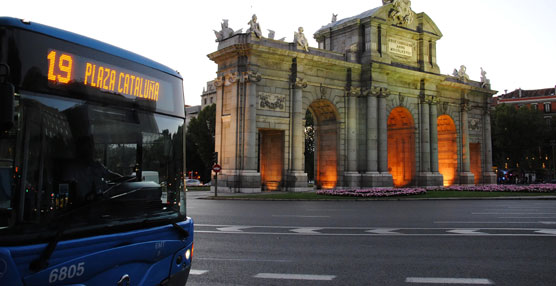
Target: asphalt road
{"type": "Point", "coordinates": [429, 242]}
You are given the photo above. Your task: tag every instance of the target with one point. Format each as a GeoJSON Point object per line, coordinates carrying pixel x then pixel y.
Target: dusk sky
{"type": "Point", "coordinates": [512, 40]}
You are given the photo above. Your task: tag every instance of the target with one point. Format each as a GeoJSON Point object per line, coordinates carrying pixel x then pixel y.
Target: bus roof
{"type": "Point", "coordinates": [87, 42]}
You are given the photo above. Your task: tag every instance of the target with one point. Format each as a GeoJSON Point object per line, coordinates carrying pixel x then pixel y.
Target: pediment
{"type": "Point", "coordinates": [427, 25]}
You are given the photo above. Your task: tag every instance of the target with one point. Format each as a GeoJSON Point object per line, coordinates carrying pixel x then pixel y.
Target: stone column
{"type": "Point", "coordinates": [434, 135]}
{"type": "Point", "coordinates": [436, 179]}
{"type": "Point", "coordinates": [352, 177]}
{"type": "Point", "coordinates": [466, 177]}
{"type": "Point", "coordinates": [297, 178]}
{"type": "Point", "coordinates": [371, 176]}
{"type": "Point", "coordinates": [489, 176]}
{"type": "Point", "coordinates": [386, 178]}
{"type": "Point", "coordinates": [425, 155]}
{"type": "Point", "coordinates": [250, 178]}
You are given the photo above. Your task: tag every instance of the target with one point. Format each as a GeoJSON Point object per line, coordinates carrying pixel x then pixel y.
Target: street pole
{"type": "Point", "coordinates": [216, 184]}
{"type": "Point", "coordinates": [553, 143]}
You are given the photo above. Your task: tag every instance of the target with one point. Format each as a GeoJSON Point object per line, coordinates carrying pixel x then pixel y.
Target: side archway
{"type": "Point", "coordinates": [401, 146]}
{"type": "Point", "coordinates": [447, 149]}
{"type": "Point", "coordinates": [325, 117]}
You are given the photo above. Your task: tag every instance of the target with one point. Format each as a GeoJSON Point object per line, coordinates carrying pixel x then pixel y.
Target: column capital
{"type": "Point", "coordinates": [218, 82]}
{"type": "Point", "coordinates": [251, 76]}
{"type": "Point", "coordinates": [465, 105]}
{"type": "Point", "coordinates": [354, 91]}
{"type": "Point", "coordinates": [432, 100]}
{"type": "Point", "coordinates": [300, 83]}
{"type": "Point", "coordinates": [231, 78]}
{"type": "Point", "coordinates": [380, 92]}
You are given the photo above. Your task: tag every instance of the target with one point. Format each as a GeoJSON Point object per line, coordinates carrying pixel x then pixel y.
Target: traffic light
{"type": "Point", "coordinates": [215, 158]}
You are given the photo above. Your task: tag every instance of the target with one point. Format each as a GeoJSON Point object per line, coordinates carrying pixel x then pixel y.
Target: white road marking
{"type": "Point", "coordinates": [243, 259]}
{"type": "Point", "coordinates": [513, 213]}
{"type": "Point", "coordinates": [527, 217]}
{"type": "Point", "coordinates": [303, 216]}
{"type": "Point", "coordinates": [547, 222]}
{"type": "Point", "coordinates": [546, 231]}
{"type": "Point", "coordinates": [306, 230]}
{"type": "Point", "coordinates": [370, 231]}
{"type": "Point", "coordinates": [489, 222]}
{"type": "Point", "coordinates": [466, 231]}
{"type": "Point", "coordinates": [197, 272]}
{"type": "Point", "coordinates": [233, 228]}
{"type": "Point", "coordinates": [434, 280]}
{"type": "Point", "coordinates": [383, 231]}
{"type": "Point", "coordinates": [286, 276]}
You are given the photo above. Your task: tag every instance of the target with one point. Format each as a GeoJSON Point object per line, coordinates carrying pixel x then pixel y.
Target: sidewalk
{"type": "Point", "coordinates": [209, 195]}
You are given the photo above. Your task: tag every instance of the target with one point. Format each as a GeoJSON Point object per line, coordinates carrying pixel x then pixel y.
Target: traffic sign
{"type": "Point", "coordinates": [216, 168]}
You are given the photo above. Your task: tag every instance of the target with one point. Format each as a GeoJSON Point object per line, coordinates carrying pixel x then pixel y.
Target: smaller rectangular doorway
{"type": "Point", "coordinates": [271, 159]}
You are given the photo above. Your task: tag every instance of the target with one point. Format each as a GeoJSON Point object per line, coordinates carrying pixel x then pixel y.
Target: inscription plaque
{"type": "Point", "coordinates": [400, 47]}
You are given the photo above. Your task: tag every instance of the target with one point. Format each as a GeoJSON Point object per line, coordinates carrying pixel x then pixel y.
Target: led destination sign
{"type": "Point", "coordinates": [65, 68]}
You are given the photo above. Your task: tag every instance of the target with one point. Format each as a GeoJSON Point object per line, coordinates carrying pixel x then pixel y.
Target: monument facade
{"type": "Point", "coordinates": [384, 115]}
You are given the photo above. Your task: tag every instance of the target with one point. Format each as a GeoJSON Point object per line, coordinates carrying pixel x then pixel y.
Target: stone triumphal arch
{"type": "Point", "coordinates": [383, 114]}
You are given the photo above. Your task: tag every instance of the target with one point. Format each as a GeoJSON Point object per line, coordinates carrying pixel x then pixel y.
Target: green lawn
{"type": "Point", "coordinates": [430, 194]}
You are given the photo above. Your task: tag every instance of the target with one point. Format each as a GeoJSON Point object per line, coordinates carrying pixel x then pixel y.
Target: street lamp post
{"type": "Point", "coordinates": [553, 144]}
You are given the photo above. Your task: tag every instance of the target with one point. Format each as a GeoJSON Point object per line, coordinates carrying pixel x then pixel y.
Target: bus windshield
{"type": "Point", "coordinates": [87, 167]}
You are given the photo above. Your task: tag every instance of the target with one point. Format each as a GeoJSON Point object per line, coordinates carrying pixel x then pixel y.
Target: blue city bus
{"type": "Point", "coordinates": [91, 163]}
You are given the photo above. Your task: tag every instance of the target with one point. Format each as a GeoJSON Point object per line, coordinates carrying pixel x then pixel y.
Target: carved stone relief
{"type": "Point", "coordinates": [270, 101]}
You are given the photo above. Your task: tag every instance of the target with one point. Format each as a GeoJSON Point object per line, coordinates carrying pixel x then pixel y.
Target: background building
{"type": "Point", "coordinates": [543, 100]}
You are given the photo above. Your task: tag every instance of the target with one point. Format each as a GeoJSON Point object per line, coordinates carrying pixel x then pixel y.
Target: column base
{"type": "Point", "coordinates": [376, 179]}
{"type": "Point", "coordinates": [430, 179]}
{"type": "Point", "coordinates": [466, 178]}
{"type": "Point", "coordinates": [239, 181]}
{"type": "Point", "coordinates": [489, 178]}
{"type": "Point", "coordinates": [296, 181]}
{"type": "Point", "coordinates": [352, 179]}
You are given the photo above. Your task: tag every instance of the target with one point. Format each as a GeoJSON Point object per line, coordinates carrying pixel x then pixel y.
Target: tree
{"type": "Point", "coordinates": [518, 137]}
{"type": "Point", "coordinates": [200, 142]}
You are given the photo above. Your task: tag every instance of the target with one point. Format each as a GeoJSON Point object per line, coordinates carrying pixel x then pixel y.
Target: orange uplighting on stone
{"type": "Point", "coordinates": [401, 146]}
{"type": "Point", "coordinates": [326, 153]}
{"type": "Point", "coordinates": [475, 161]}
{"type": "Point", "coordinates": [272, 158]}
{"type": "Point", "coordinates": [447, 149]}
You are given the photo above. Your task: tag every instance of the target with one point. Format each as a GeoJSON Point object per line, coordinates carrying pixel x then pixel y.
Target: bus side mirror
{"type": "Point", "coordinates": [7, 95]}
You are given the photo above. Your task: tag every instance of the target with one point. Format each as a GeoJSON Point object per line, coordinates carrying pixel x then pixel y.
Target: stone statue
{"type": "Point", "coordinates": [485, 82]}
{"type": "Point", "coordinates": [300, 39]}
{"type": "Point", "coordinates": [401, 12]}
{"type": "Point", "coordinates": [271, 34]}
{"type": "Point", "coordinates": [254, 27]}
{"type": "Point", "coordinates": [384, 2]}
{"type": "Point", "coordinates": [461, 73]}
{"type": "Point", "coordinates": [225, 33]}
{"type": "Point", "coordinates": [334, 17]}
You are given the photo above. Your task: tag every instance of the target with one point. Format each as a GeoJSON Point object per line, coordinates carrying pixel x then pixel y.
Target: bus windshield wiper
{"type": "Point", "coordinates": [42, 262]}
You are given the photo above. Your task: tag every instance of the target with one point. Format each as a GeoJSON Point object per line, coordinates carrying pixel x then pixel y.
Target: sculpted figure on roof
{"type": "Point", "coordinates": [301, 40]}
{"type": "Point", "coordinates": [225, 33]}
{"type": "Point", "coordinates": [254, 27]}
{"type": "Point", "coordinates": [401, 11]}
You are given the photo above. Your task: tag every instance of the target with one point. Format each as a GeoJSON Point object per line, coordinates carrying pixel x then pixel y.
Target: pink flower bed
{"type": "Point", "coordinates": [538, 188]}
{"type": "Point", "coordinates": [389, 192]}
{"type": "Point", "coordinates": [373, 192]}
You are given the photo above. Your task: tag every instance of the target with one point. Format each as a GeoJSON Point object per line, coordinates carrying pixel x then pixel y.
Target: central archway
{"type": "Point", "coordinates": [401, 146]}
{"type": "Point", "coordinates": [325, 117]}
{"type": "Point", "coordinates": [447, 149]}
